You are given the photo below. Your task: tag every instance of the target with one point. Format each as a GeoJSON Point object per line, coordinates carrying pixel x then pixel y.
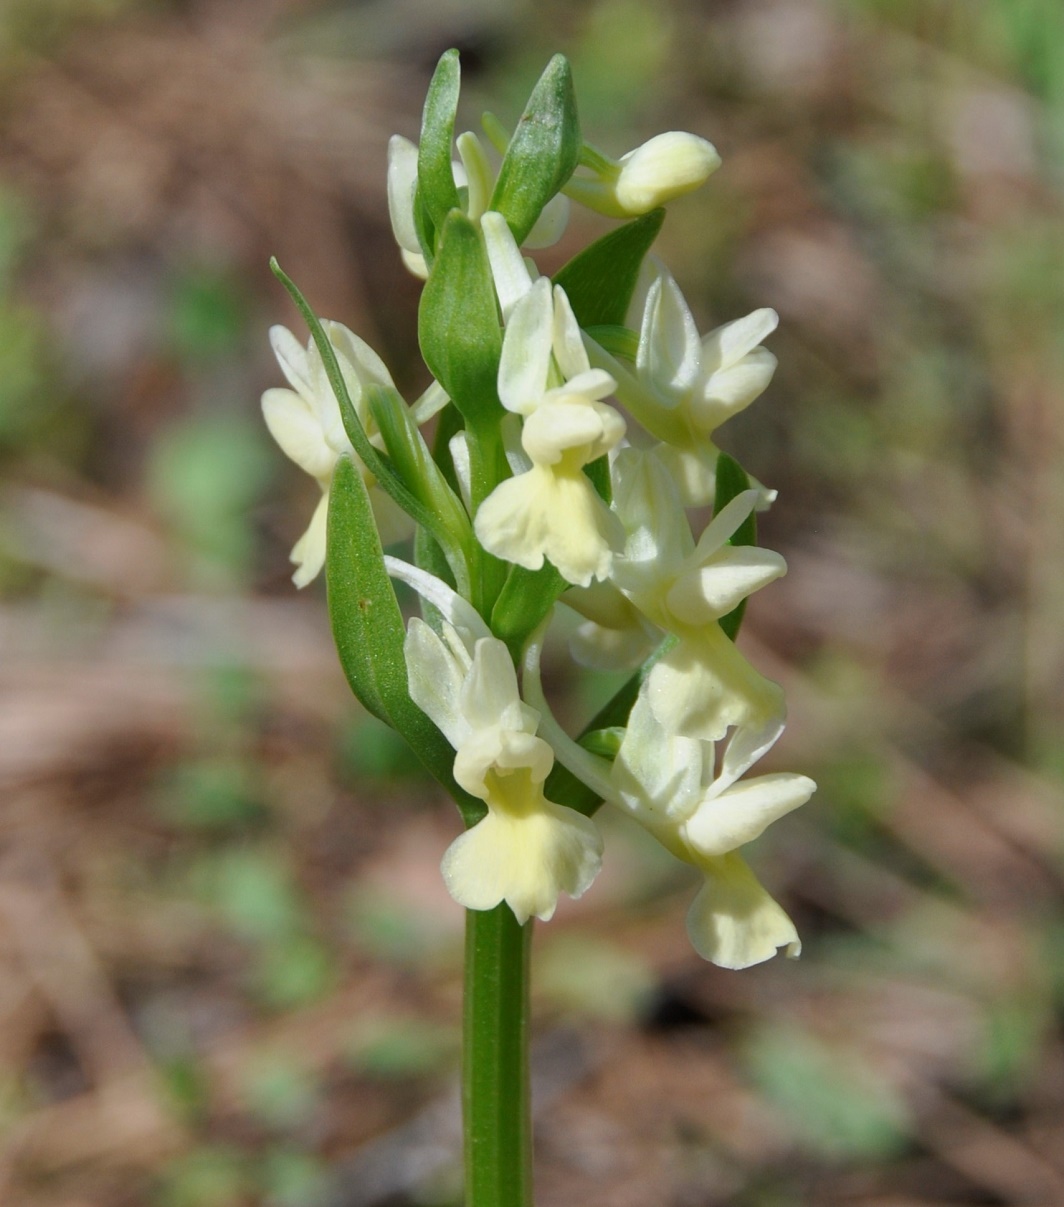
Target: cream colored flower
{"type": "Point", "coordinates": [701, 382]}
{"type": "Point", "coordinates": [551, 510]}
{"type": "Point", "coordinates": [527, 850]}
{"type": "Point", "coordinates": [667, 783]}
{"type": "Point", "coordinates": [665, 167]}
{"type": "Point", "coordinates": [305, 421]}
{"type": "Point", "coordinates": [703, 685]}
{"type": "Point", "coordinates": [670, 785]}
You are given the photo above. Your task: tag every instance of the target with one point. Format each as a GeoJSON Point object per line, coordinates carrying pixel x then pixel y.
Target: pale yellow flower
{"type": "Point", "coordinates": [551, 510]}
{"type": "Point", "coordinates": [527, 850]}
{"type": "Point", "coordinates": [305, 421]}
{"type": "Point", "coordinates": [663, 168]}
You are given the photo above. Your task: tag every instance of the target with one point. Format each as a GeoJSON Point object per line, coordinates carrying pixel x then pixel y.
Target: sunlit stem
{"type": "Point", "coordinates": [495, 1081]}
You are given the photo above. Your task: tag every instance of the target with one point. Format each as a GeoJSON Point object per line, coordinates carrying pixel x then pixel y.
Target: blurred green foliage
{"type": "Point", "coordinates": [205, 473]}
{"type": "Point", "coordinates": [402, 1048]}
{"type": "Point", "coordinates": [211, 1176]}
{"type": "Point", "coordinates": [593, 978]}
{"type": "Point", "coordinates": [210, 794]}
{"type": "Point", "coordinates": [209, 315]}
{"type": "Point", "coordinates": [838, 1106]}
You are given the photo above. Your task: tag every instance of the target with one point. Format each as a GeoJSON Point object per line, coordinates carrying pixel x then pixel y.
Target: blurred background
{"type": "Point", "coordinates": [229, 973]}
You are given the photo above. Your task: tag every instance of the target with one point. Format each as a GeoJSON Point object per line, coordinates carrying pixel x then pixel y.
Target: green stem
{"type": "Point", "coordinates": [487, 468]}
{"type": "Point", "coordinates": [495, 1084]}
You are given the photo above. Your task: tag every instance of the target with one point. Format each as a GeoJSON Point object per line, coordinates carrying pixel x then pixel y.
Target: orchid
{"type": "Point", "coordinates": [527, 850]}
{"type": "Point", "coordinates": [663, 168]}
{"type": "Point", "coordinates": [702, 685]}
{"type": "Point", "coordinates": [667, 783]}
{"type": "Point", "coordinates": [305, 421]}
{"type": "Point", "coordinates": [536, 494]}
{"type": "Point", "coordinates": [683, 386]}
{"type": "Point", "coordinates": [551, 510]}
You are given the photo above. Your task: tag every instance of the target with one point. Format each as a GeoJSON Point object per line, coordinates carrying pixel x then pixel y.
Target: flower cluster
{"type": "Point", "coordinates": [574, 442]}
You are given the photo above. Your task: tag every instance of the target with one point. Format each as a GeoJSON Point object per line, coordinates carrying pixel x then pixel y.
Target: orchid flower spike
{"type": "Point", "coordinates": [665, 167]}
{"type": "Point", "coordinates": [305, 421]}
{"type": "Point", "coordinates": [527, 850]}
{"type": "Point", "coordinates": [551, 510]}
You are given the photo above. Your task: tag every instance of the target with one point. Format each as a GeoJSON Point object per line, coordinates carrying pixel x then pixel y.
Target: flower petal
{"type": "Point", "coordinates": [526, 350]}
{"type": "Point", "coordinates": [543, 513]}
{"type": "Point", "coordinates": [292, 357]}
{"type": "Point", "coordinates": [655, 524]}
{"type": "Point", "coordinates": [508, 267]}
{"type": "Point", "coordinates": [526, 860]}
{"type": "Point", "coordinates": [714, 589]}
{"type": "Point", "coordinates": [569, 351]}
{"type": "Point", "coordinates": [729, 391]}
{"type": "Point", "coordinates": [308, 553]}
{"type": "Point", "coordinates": [295, 427]}
{"type": "Point", "coordinates": [728, 344]}
{"type": "Point", "coordinates": [666, 166]}
{"type": "Point", "coordinates": [435, 673]}
{"type": "Point", "coordinates": [669, 352]}
{"type": "Point", "coordinates": [415, 263]}
{"type": "Point", "coordinates": [571, 427]}
{"type": "Point", "coordinates": [402, 185]}
{"type": "Point", "coordinates": [490, 695]}
{"type": "Point", "coordinates": [743, 812]}
{"type": "Point", "coordinates": [478, 174]}
{"type": "Point", "coordinates": [703, 686]}
{"type": "Point", "coordinates": [733, 922]}
{"type": "Point", "coordinates": [494, 756]}
{"type": "Point", "coordinates": [658, 773]}
{"type": "Point", "coordinates": [459, 613]}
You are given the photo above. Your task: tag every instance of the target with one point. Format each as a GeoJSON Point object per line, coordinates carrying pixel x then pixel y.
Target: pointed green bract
{"type": "Point", "coordinates": [543, 153]}
{"type": "Point", "coordinates": [732, 481]}
{"type": "Point", "coordinates": [369, 632]}
{"type": "Point", "coordinates": [600, 281]}
{"type": "Point", "coordinates": [458, 322]}
{"type": "Point", "coordinates": [414, 463]}
{"type": "Point", "coordinates": [436, 188]}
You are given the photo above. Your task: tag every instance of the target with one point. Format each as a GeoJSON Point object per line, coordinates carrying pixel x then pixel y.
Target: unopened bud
{"type": "Point", "coordinates": [665, 167]}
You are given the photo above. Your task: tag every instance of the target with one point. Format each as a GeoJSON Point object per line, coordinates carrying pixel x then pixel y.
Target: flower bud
{"type": "Point", "coordinates": [665, 167]}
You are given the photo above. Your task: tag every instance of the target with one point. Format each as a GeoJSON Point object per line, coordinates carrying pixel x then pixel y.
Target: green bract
{"type": "Point", "coordinates": [369, 631]}
{"type": "Point", "coordinates": [600, 280]}
{"type": "Point", "coordinates": [437, 192]}
{"type": "Point", "coordinates": [458, 322]}
{"type": "Point", "coordinates": [543, 152]}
